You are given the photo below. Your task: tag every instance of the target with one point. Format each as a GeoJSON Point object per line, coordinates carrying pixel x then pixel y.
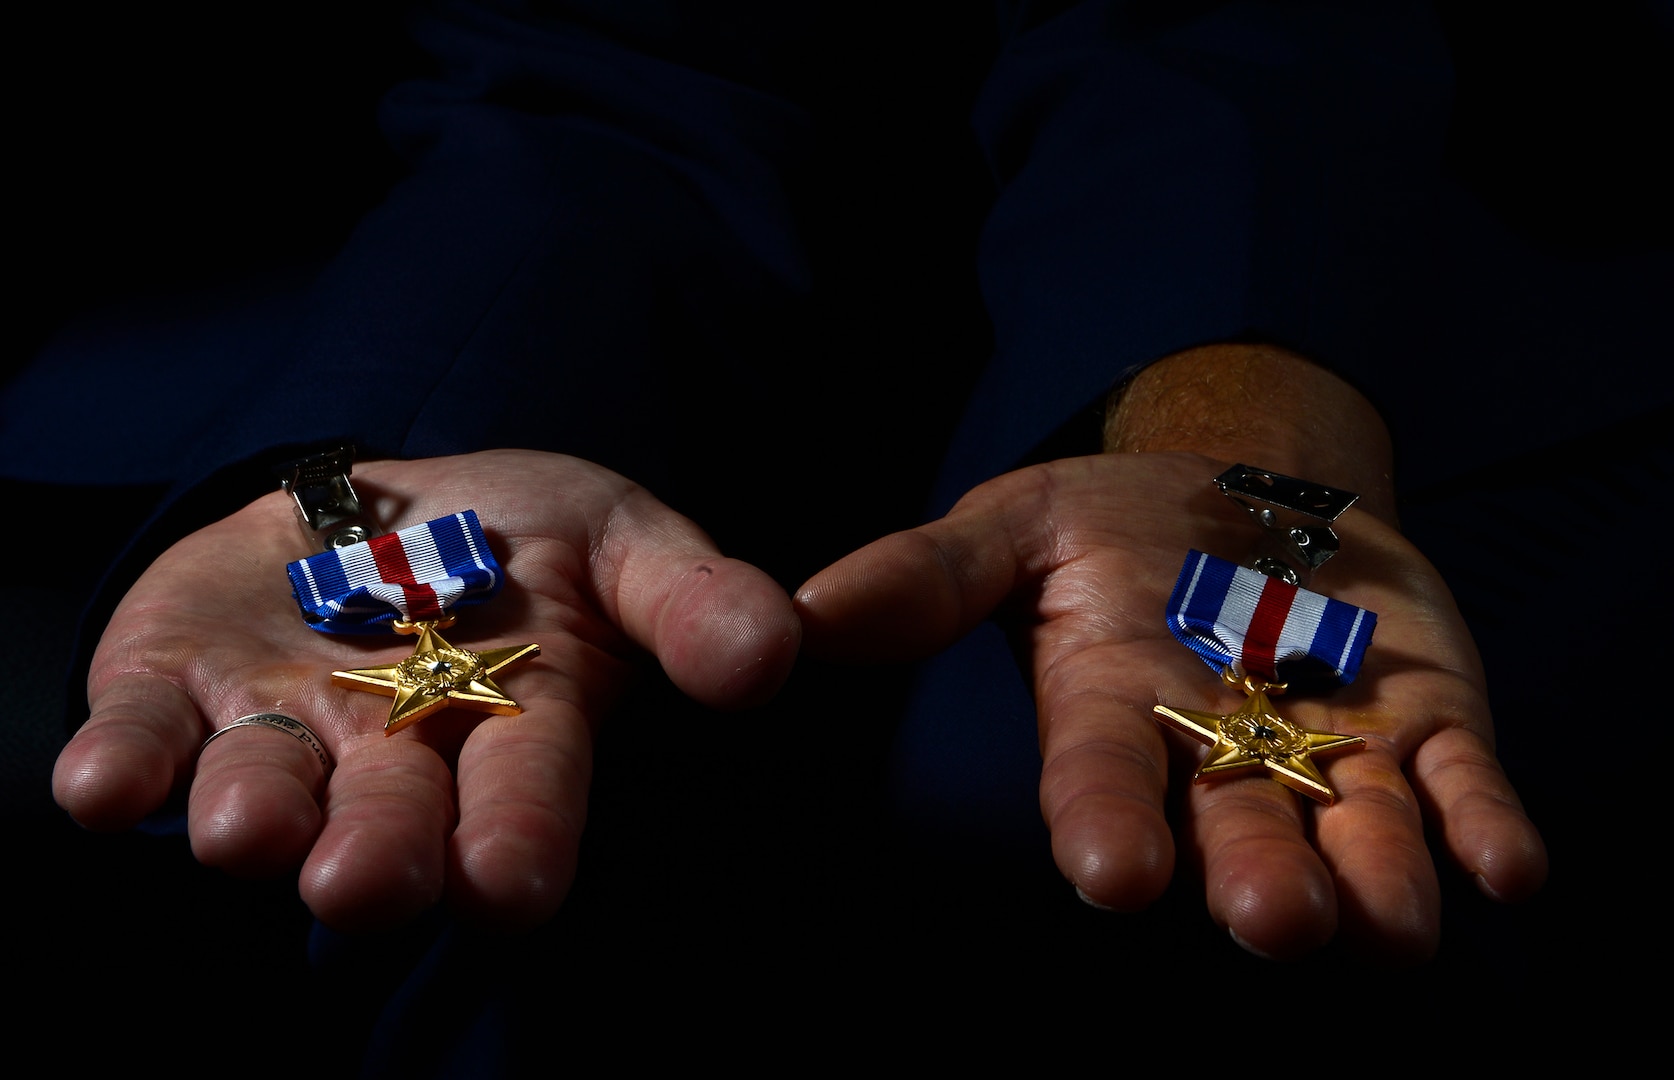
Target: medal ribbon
{"type": "Point", "coordinates": [418, 574]}
{"type": "Point", "coordinates": [1240, 618]}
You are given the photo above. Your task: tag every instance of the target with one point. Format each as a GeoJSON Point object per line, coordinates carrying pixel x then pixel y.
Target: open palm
{"type": "Point", "coordinates": [484, 810]}
{"type": "Point", "coordinates": [1076, 560]}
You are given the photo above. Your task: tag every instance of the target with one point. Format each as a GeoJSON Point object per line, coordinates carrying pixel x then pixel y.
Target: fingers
{"type": "Point", "coordinates": [1484, 826]}
{"type": "Point", "coordinates": [1282, 875]}
{"type": "Point", "coordinates": [1078, 574]}
{"type": "Point", "coordinates": [379, 860]}
{"type": "Point", "coordinates": [1372, 840]}
{"type": "Point", "coordinates": [131, 754]}
{"type": "Point", "coordinates": [1102, 783]}
{"type": "Point", "coordinates": [724, 631]}
{"type": "Point", "coordinates": [523, 787]}
{"type": "Point", "coordinates": [392, 830]}
{"type": "Point", "coordinates": [386, 840]}
{"type": "Point", "coordinates": [254, 808]}
{"type": "Point", "coordinates": [1286, 874]}
{"type": "Point", "coordinates": [395, 841]}
{"type": "Point", "coordinates": [1262, 880]}
{"type": "Point", "coordinates": [255, 804]}
{"type": "Point", "coordinates": [1104, 763]}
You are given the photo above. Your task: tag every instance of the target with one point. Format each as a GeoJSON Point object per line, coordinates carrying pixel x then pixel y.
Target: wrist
{"type": "Point", "coordinates": [1262, 406]}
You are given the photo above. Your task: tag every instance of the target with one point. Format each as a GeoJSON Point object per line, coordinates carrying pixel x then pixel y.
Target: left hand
{"type": "Point", "coordinates": [1076, 560]}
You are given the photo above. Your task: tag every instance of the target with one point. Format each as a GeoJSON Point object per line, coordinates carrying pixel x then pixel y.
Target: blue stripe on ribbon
{"type": "Point", "coordinates": [1209, 587]}
{"type": "Point", "coordinates": [1344, 632]}
{"type": "Point", "coordinates": [340, 592]}
{"type": "Point", "coordinates": [1195, 605]}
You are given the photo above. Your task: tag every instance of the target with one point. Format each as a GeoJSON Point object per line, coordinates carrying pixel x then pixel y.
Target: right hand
{"type": "Point", "coordinates": [485, 811]}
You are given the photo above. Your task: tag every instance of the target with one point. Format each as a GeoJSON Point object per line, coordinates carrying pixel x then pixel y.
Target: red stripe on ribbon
{"type": "Point", "coordinates": [1266, 624]}
{"type": "Point", "coordinates": [391, 558]}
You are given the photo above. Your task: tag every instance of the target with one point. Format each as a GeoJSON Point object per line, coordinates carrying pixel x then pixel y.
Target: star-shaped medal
{"type": "Point", "coordinates": [1257, 737]}
{"type": "Point", "coordinates": [437, 675]}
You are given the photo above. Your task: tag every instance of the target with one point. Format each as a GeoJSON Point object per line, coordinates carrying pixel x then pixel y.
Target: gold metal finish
{"type": "Point", "coordinates": [1257, 737]}
{"type": "Point", "coordinates": [437, 675]}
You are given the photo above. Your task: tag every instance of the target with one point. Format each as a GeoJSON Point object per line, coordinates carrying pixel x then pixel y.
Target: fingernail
{"type": "Point", "coordinates": [1246, 946]}
{"type": "Point", "coordinates": [1487, 889]}
{"type": "Point", "coordinates": [1090, 902]}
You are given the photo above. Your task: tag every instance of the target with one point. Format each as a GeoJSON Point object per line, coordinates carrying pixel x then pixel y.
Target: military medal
{"type": "Point", "coordinates": [1264, 633]}
{"type": "Point", "coordinates": [412, 582]}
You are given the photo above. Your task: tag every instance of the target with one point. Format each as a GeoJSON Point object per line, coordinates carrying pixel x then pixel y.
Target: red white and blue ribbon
{"type": "Point", "coordinates": [1240, 618]}
{"type": "Point", "coordinates": [418, 574]}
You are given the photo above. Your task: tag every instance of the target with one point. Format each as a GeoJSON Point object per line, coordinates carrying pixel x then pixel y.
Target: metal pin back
{"type": "Point", "coordinates": [1296, 515]}
{"type": "Point", "coordinates": [326, 503]}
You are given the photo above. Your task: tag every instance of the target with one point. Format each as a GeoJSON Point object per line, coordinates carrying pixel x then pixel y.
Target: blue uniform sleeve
{"type": "Point", "coordinates": [1173, 175]}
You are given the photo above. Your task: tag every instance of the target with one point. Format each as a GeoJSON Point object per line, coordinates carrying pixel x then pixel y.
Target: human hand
{"type": "Point", "coordinates": [1076, 560]}
{"type": "Point", "coordinates": [485, 811]}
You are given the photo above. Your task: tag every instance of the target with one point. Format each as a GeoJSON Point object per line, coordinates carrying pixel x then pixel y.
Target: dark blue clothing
{"type": "Point", "coordinates": [809, 277]}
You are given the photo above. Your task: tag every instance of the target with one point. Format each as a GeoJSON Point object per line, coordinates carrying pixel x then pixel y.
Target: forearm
{"type": "Point", "coordinates": [1262, 406]}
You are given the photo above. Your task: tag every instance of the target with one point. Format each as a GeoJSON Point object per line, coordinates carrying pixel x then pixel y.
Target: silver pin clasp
{"type": "Point", "coordinates": [1295, 514]}
{"type": "Point", "coordinates": [325, 500]}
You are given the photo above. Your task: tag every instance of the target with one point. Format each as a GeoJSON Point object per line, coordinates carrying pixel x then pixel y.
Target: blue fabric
{"type": "Point", "coordinates": [333, 589]}
{"type": "Point", "coordinates": [1195, 614]}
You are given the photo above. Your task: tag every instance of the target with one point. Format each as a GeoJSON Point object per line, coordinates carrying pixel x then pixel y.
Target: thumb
{"type": "Point", "coordinates": [908, 595]}
{"type": "Point", "coordinates": [723, 630]}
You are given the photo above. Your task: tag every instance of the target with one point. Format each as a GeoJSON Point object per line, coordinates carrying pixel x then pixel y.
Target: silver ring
{"type": "Point", "coordinates": [288, 724]}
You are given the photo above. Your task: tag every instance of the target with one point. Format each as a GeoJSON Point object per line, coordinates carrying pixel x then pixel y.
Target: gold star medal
{"type": "Point", "coordinates": [436, 675]}
{"type": "Point", "coordinates": [1256, 737]}
{"type": "Point", "coordinates": [1263, 633]}
{"type": "Point", "coordinates": [410, 582]}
